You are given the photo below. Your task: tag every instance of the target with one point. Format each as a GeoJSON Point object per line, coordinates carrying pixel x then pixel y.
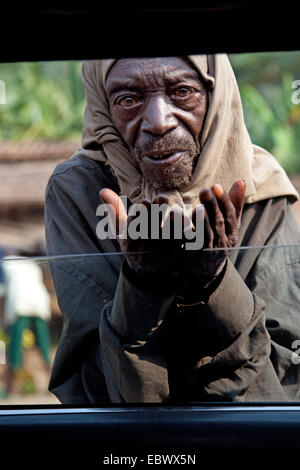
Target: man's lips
{"type": "Point", "coordinates": [164, 158]}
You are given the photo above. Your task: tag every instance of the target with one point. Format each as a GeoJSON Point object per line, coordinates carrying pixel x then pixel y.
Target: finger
{"type": "Point", "coordinates": [177, 221]}
{"type": "Point", "coordinates": [164, 210]}
{"type": "Point", "coordinates": [145, 202]}
{"type": "Point", "coordinates": [198, 214]}
{"type": "Point", "coordinates": [138, 209]}
{"type": "Point", "coordinates": [208, 232]}
{"type": "Point", "coordinates": [227, 208]}
{"type": "Point", "coordinates": [237, 196]}
{"type": "Point", "coordinates": [161, 199]}
{"type": "Point", "coordinates": [194, 228]}
{"type": "Point", "coordinates": [188, 227]}
{"type": "Point", "coordinates": [112, 199]}
{"type": "Point", "coordinates": [215, 217]}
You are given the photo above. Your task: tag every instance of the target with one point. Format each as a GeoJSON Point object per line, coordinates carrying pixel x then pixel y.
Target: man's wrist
{"type": "Point", "coordinates": [162, 283]}
{"type": "Point", "coordinates": [200, 288]}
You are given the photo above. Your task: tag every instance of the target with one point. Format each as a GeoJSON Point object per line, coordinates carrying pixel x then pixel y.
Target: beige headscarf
{"type": "Point", "coordinates": [227, 153]}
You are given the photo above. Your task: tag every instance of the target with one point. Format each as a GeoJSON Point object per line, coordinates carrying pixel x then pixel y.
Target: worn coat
{"type": "Point", "coordinates": [124, 342]}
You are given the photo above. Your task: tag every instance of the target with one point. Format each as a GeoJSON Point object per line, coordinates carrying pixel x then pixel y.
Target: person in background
{"type": "Point", "coordinates": [26, 305]}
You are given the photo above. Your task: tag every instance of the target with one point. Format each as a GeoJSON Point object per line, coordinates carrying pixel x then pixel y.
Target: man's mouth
{"type": "Point", "coordinates": [164, 158]}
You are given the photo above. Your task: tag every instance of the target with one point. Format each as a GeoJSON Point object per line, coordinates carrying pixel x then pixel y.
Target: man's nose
{"type": "Point", "coordinates": [158, 116]}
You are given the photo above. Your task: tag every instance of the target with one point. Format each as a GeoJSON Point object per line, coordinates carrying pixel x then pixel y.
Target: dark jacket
{"type": "Point", "coordinates": [122, 342]}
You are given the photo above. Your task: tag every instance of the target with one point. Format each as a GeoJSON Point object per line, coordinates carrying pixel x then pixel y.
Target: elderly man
{"type": "Point", "coordinates": [186, 325]}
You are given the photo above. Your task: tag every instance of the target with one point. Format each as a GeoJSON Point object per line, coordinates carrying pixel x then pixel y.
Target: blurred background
{"type": "Point", "coordinates": [40, 125]}
{"type": "Point", "coordinates": [41, 121]}
{"type": "Point", "coordinates": [41, 112]}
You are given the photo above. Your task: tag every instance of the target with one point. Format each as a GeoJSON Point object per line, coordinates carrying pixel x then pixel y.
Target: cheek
{"type": "Point", "coordinates": [198, 117]}
{"type": "Point", "coordinates": [194, 115]}
{"type": "Point", "coordinates": [125, 122]}
{"type": "Point", "coordinates": [194, 123]}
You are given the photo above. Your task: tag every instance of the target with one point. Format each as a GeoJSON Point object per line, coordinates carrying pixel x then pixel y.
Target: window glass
{"type": "Point", "coordinates": [86, 319]}
{"type": "Point", "coordinates": [226, 349]}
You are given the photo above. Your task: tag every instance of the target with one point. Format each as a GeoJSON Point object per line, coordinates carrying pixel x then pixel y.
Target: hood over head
{"type": "Point", "coordinates": [226, 150]}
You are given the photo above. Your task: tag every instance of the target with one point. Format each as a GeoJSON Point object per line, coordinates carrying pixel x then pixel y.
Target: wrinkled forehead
{"type": "Point", "coordinates": [135, 68]}
{"type": "Point", "coordinates": [145, 73]}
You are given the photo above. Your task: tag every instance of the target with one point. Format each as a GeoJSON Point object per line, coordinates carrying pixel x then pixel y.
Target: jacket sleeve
{"type": "Point", "coordinates": [83, 286]}
{"type": "Point", "coordinates": [237, 365]}
{"type": "Point", "coordinates": [156, 350]}
{"type": "Point", "coordinates": [130, 332]}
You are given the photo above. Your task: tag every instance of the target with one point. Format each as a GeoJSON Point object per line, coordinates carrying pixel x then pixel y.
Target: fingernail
{"type": "Point", "coordinates": [218, 190]}
{"type": "Point", "coordinates": [206, 194]}
{"type": "Point", "coordinates": [240, 186]}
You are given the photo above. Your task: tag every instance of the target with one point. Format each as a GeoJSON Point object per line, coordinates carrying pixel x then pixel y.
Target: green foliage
{"type": "Point", "coordinates": [273, 121]}
{"type": "Point", "coordinates": [44, 100]}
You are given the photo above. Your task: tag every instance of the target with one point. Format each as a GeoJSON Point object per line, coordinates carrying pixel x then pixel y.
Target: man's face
{"type": "Point", "coordinates": [158, 106]}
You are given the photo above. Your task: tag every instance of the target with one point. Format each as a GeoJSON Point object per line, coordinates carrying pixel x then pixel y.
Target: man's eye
{"type": "Point", "coordinates": [183, 92]}
{"type": "Point", "coordinates": [127, 101]}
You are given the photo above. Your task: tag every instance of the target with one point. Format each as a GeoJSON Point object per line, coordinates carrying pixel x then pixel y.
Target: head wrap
{"type": "Point", "coordinates": [227, 153]}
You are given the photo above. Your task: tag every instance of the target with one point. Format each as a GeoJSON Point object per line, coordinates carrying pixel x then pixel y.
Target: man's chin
{"type": "Point", "coordinates": [176, 176]}
{"type": "Point", "coordinates": [162, 183]}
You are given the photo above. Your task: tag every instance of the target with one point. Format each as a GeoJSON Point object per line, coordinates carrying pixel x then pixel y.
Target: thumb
{"type": "Point", "coordinates": [116, 205]}
{"type": "Point", "coordinates": [237, 196]}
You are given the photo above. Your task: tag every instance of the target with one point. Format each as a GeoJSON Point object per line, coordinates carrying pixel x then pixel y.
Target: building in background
{"type": "Point", "coordinates": [24, 172]}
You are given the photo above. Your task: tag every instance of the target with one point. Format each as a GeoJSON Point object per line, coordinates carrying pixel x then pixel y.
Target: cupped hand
{"type": "Point", "coordinates": [144, 255]}
{"type": "Point", "coordinates": [222, 214]}
{"type": "Point", "coordinates": [222, 219]}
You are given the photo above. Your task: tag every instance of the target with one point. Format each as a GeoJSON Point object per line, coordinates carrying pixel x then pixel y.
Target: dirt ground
{"type": "Point", "coordinates": [31, 399]}
{"type": "Point", "coordinates": [39, 375]}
